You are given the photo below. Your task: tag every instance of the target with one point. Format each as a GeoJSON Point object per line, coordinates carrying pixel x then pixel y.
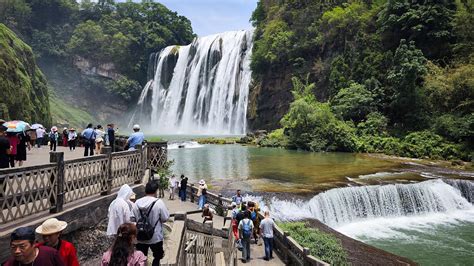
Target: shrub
{"type": "Point", "coordinates": [321, 245]}
{"type": "Point", "coordinates": [276, 138]}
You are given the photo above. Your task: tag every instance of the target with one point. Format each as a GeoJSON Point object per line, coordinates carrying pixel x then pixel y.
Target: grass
{"type": "Point", "coordinates": [213, 140]}
{"type": "Point", "coordinates": [63, 113]}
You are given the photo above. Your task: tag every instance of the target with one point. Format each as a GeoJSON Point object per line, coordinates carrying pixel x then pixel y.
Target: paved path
{"type": "Point", "coordinates": [37, 156]}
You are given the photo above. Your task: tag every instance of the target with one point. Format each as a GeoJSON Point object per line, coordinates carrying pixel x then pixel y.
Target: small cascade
{"type": "Point", "coordinates": [201, 88]}
{"type": "Point", "coordinates": [340, 206]}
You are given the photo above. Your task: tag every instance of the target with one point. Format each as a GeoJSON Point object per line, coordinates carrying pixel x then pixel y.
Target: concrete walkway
{"type": "Point", "coordinates": [38, 156]}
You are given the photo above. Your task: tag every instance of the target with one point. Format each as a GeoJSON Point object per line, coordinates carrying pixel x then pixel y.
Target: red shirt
{"type": "Point", "coordinates": [46, 257]}
{"type": "Point", "coordinates": [14, 141]}
{"type": "Point", "coordinates": [67, 251]}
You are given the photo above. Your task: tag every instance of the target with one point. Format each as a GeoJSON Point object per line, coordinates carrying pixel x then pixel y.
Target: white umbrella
{"type": "Point", "coordinates": [36, 126]}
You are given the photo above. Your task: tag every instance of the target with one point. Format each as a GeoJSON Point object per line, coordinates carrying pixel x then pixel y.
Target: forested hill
{"type": "Point", "coordinates": [24, 91]}
{"type": "Point", "coordinates": [94, 55]}
{"type": "Point", "coordinates": [395, 76]}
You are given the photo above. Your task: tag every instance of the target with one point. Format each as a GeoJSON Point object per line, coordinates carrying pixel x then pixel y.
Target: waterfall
{"type": "Point", "coordinates": [201, 88]}
{"type": "Point", "coordinates": [340, 206]}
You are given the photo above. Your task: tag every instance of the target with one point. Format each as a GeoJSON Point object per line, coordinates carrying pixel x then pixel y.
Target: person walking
{"type": "Point", "coordinates": [153, 211]}
{"type": "Point", "coordinates": [14, 141]}
{"type": "Point", "coordinates": [111, 136]}
{"type": "Point", "coordinates": [99, 139]}
{"type": "Point", "coordinates": [89, 140]}
{"type": "Point", "coordinates": [136, 138]}
{"type": "Point", "coordinates": [202, 193]}
{"type": "Point", "coordinates": [21, 148]}
{"type": "Point", "coordinates": [123, 251]}
{"type": "Point", "coordinates": [50, 231]}
{"type": "Point", "coordinates": [53, 138]}
{"type": "Point", "coordinates": [64, 137]}
{"type": "Point", "coordinates": [245, 233]}
{"type": "Point", "coordinates": [172, 186]}
{"type": "Point", "coordinates": [237, 198]}
{"type": "Point", "coordinates": [25, 252]}
{"type": "Point", "coordinates": [120, 210]}
{"type": "Point", "coordinates": [31, 137]}
{"type": "Point", "coordinates": [266, 232]}
{"type": "Point", "coordinates": [71, 139]}
{"type": "Point", "coordinates": [162, 184]}
{"type": "Point", "coordinates": [40, 136]}
{"type": "Point", "coordinates": [183, 187]}
{"type": "Point", "coordinates": [5, 149]}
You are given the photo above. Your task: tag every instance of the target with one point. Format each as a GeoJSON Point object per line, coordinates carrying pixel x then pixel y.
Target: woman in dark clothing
{"type": "Point", "coordinates": [21, 148]}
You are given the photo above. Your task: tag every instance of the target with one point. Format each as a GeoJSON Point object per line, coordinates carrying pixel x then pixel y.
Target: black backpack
{"type": "Point", "coordinates": [145, 230]}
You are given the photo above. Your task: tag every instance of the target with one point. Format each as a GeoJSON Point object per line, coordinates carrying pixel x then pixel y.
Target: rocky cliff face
{"type": "Point", "coordinates": [23, 88]}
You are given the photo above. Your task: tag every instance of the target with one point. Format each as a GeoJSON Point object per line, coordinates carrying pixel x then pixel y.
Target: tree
{"type": "Point", "coordinates": [87, 41]}
{"type": "Point", "coordinates": [353, 102]}
{"type": "Point", "coordinates": [405, 79]}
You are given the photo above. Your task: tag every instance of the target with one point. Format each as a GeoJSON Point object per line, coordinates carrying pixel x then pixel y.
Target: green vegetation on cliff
{"type": "Point", "coordinates": [24, 91]}
{"type": "Point", "coordinates": [391, 76]}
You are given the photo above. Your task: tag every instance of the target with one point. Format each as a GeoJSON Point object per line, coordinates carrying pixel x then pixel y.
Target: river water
{"type": "Point", "coordinates": [434, 230]}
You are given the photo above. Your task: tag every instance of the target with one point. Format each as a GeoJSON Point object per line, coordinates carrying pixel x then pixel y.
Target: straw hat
{"type": "Point", "coordinates": [51, 226]}
{"type": "Point", "coordinates": [202, 182]}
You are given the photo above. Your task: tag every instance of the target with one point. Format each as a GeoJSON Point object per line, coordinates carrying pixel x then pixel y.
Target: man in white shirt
{"type": "Point", "coordinates": [245, 232]}
{"type": "Point", "coordinates": [266, 231]}
{"type": "Point", "coordinates": [40, 136]}
{"type": "Point", "coordinates": [158, 215]}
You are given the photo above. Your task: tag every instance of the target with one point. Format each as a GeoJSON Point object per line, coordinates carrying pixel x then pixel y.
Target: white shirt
{"type": "Point", "coordinates": [120, 210]}
{"type": "Point", "coordinates": [266, 225]}
{"type": "Point", "coordinates": [71, 135]}
{"type": "Point", "coordinates": [159, 212]}
{"type": "Point", "coordinates": [40, 132]}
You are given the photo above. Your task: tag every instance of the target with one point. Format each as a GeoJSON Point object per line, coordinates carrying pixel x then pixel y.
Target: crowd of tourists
{"type": "Point", "coordinates": [14, 142]}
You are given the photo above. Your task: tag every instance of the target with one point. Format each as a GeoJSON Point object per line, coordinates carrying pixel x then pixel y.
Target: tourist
{"type": "Point", "coordinates": [207, 213]}
{"type": "Point", "coordinates": [123, 251]}
{"type": "Point", "coordinates": [237, 198]}
{"type": "Point", "coordinates": [111, 136]}
{"type": "Point", "coordinates": [172, 184]}
{"type": "Point", "coordinates": [53, 138]}
{"type": "Point", "coordinates": [89, 140]}
{"type": "Point", "coordinates": [71, 139]}
{"type": "Point", "coordinates": [5, 148]}
{"type": "Point", "coordinates": [99, 139]}
{"type": "Point", "coordinates": [14, 141]}
{"type": "Point", "coordinates": [31, 137]}
{"type": "Point", "coordinates": [183, 187]}
{"type": "Point", "coordinates": [157, 214]}
{"type": "Point", "coordinates": [40, 136]}
{"type": "Point", "coordinates": [162, 184]}
{"type": "Point", "coordinates": [266, 232]}
{"type": "Point", "coordinates": [25, 252]}
{"type": "Point", "coordinates": [235, 211]}
{"type": "Point", "coordinates": [21, 148]}
{"type": "Point", "coordinates": [202, 193]}
{"type": "Point", "coordinates": [50, 231]}
{"type": "Point", "coordinates": [254, 209]}
{"type": "Point", "coordinates": [65, 137]}
{"type": "Point", "coordinates": [120, 210]}
{"type": "Point", "coordinates": [245, 233]}
{"type": "Point", "coordinates": [136, 138]}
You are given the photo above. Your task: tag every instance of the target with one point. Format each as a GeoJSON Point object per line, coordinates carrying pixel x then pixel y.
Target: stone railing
{"type": "Point", "coordinates": [26, 191]}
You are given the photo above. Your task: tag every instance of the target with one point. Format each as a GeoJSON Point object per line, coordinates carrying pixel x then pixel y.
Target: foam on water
{"type": "Point", "coordinates": [184, 144]}
{"type": "Point", "coordinates": [381, 175]}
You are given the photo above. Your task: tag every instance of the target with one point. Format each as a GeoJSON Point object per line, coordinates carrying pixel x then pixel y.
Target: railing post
{"type": "Point", "coordinates": [306, 254]}
{"type": "Point", "coordinates": [191, 188]}
{"type": "Point", "coordinates": [220, 206]}
{"type": "Point", "coordinates": [106, 185]}
{"type": "Point", "coordinates": [58, 203]}
{"type": "Point", "coordinates": [286, 234]}
{"type": "Point", "coordinates": [141, 171]}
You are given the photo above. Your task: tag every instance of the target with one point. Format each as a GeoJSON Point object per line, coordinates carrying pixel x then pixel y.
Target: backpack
{"type": "Point", "coordinates": [253, 215]}
{"type": "Point", "coordinates": [246, 230]}
{"type": "Point", "coordinates": [145, 230]}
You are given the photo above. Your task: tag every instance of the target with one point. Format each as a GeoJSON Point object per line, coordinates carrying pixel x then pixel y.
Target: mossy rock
{"type": "Point", "coordinates": [23, 86]}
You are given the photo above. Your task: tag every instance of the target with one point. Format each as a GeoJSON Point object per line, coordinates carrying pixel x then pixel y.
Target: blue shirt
{"type": "Point", "coordinates": [135, 139]}
{"type": "Point", "coordinates": [88, 133]}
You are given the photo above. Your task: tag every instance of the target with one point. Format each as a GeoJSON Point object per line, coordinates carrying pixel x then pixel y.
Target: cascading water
{"type": "Point", "coordinates": [340, 206]}
{"type": "Point", "coordinates": [201, 88]}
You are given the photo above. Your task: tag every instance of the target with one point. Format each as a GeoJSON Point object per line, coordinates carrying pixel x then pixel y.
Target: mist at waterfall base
{"type": "Point", "coordinates": [430, 222]}
{"type": "Point", "coordinates": [200, 88]}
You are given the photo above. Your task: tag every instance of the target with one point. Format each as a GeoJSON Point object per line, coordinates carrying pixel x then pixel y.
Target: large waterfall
{"type": "Point", "coordinates": [201, 88]}
{"type": "Point", "coordinates": [340, 206]}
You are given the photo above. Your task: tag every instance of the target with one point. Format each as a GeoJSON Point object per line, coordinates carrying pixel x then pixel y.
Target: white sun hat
{"type": "Point", "coordinates": [51, 226]}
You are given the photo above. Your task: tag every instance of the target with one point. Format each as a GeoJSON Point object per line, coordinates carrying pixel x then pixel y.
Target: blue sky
{"type": "Point", "coordinates": [213, 16]}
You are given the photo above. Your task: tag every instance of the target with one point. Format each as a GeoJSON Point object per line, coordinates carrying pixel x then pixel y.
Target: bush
{"type": "Point", "coordinates": [321, 245]}
{"type": "Point", "coordinates": [276, 138]}
{"type": "Point", "coordinates": [353, 102]}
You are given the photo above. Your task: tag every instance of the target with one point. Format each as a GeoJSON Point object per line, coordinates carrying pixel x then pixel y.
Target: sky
{"type": "Point", "coordinates": [214, 16]}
